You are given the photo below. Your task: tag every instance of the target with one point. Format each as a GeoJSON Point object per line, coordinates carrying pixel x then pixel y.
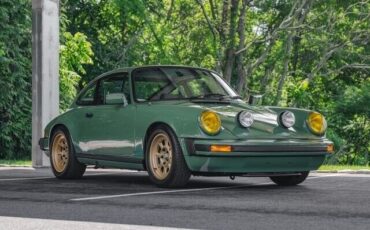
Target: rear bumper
{"type": "Point", "coordinates": [255, 156]}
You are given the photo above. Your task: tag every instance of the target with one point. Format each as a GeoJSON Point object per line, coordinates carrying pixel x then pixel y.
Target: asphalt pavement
{"type": "Point", "coordinates": [118, 199]}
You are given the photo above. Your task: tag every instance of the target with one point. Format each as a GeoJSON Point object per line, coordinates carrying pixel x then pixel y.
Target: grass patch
{"type": "Point", "coordinates": [15, 163]}
{"type": "Point", "coordinates": [343, 167]}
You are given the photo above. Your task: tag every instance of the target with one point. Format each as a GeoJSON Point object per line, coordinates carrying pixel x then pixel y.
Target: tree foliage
{"type": "Point", "coordinates": [74, 54]}
{"type": "Point", "coordinates": [305, 53]}
{"type": "Point", "coordinates": [15, 79]}
{"type": "Point", "coordinates": [300, 53]}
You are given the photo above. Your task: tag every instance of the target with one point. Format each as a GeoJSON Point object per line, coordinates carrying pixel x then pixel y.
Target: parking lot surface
{"type": "Point", "coordinates": [118, 199]}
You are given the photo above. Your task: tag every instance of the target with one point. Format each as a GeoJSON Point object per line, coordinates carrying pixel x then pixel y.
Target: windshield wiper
{"type": "Point", "coordinates": [236, 97]}
{"type": "Point", "coordinates": [208, 96]}
{"type": "Point", "coordinates": [216, 96]}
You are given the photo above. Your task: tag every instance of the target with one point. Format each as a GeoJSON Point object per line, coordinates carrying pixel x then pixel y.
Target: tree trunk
{"type": "Point", "coordinates": [296, 45]}
{"type": "Point", "coordinates": [288, 48]}
{"type": "Point", "coordinates": [240, 56]}
{"type": "Point", "coordinates": [223, 25]}
{"type": "Point", "coordinates": [301, 16]}
{"type": "Point", "coordinates": [230, 51]}
{"type": "Point", "coordinates": [265, 80]}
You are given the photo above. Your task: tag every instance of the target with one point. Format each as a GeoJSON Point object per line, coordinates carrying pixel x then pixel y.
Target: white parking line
{"type": "Point", "coordinates": [35, 223]}
{"type": "Point", "coordinates": [179, 190]}
{"type": "Point", "coordinates": [156, 192]}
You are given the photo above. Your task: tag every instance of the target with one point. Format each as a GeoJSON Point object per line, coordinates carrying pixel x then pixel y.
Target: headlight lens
{"type": "Point", "coordinates": [287, 119]}
{"type": "Point", "coordinates": [246, 119]}
{"type": "Point", "coordinates": [317, 123]}
{"type": "Point", "coordinates": [210, 122]}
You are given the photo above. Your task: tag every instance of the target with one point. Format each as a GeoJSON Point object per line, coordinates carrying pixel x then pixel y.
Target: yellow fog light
{"type": "Point", "coordinates": [317, 123]}
{"type": "Point", "coordinates": [330, 148]}
{"type": "Point", "coordinates": [210, 122]}
{"type": "Point", "coordinates": [220, 148]}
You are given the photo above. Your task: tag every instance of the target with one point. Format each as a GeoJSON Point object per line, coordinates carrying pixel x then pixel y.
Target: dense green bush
{"type": "Point", "coordinates": [16, 76]}
{"type": "Point", "coordinates": [15, 79]}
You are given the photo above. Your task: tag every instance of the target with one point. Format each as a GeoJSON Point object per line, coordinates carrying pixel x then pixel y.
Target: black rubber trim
{"type": "Point", "coordinates": [261, 148]}
{"type": "Point", "coordinates": [110, 158]}
{"type": "Point", "coordinates": [190, 146]}
{"type": "Point", "coordinates": [41, 144]}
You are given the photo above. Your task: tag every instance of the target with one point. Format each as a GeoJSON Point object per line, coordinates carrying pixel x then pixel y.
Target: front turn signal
{"type": "Point", "coordinates": [330, 148]}
{"type": "Point", "coordinates": [220, 148]}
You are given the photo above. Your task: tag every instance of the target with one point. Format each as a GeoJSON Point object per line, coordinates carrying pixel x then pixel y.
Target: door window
{"type": "Point", "coordinates": [114, 90]}
{"type": "Point", "coordinates": [88, 97]}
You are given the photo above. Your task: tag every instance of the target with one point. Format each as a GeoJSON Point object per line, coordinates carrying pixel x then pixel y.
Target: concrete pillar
{"type": "Point", "coordinates": [45, 72]}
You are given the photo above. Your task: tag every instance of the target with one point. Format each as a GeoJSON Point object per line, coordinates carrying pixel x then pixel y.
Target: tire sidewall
{"type": "Point", "coordinates": [176, 152]}
{"type": "Point", "coordinates": [71, 152]}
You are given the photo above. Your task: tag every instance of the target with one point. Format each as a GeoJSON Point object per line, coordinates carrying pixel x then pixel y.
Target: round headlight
{"type": "Point", "coordinates": [287, 119]}
{"type": "Point", "coordinates": [317, 123]}
{"type": "Point", "coordinates": [210, 122]}
{"type": "Point", "coordinates": [246, 119]}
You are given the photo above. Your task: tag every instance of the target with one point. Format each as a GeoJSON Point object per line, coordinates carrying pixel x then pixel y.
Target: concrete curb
{"type": "Point", "coordinates": [15, 166]}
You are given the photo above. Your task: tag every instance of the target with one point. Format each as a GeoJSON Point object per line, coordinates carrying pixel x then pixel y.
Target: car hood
{"type": "Point", "coordinates": [266, 123]}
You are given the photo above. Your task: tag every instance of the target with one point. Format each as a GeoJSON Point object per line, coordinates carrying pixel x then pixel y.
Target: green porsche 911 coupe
{"type": "Point", "coordinates": [177, 121]}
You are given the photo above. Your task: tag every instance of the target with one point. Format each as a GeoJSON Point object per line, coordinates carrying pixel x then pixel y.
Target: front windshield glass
{"type": "Point", "coordinates": [171, 83]}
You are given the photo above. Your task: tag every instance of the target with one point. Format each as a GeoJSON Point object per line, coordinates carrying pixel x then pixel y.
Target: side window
{"type": "Point", "coordinates": [88, 97]}
{"type": "Point", "coordinates": [113, 89]}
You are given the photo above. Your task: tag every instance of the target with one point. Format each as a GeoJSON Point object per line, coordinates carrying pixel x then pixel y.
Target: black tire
{"type": "Point", "coordinates": [289, 180]}
{"type": "Point", "coordinates": [73, 169]}
{"type": "Point", "coordinates": [179, 173]}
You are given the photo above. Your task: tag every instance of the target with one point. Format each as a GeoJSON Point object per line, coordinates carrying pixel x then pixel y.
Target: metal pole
{"type": "Point", "coordinates": [45, 72]}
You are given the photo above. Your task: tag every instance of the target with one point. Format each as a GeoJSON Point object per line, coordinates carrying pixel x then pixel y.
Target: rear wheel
{"type": "Point", "coordinates": [62, 157]}
{"type": "Point", "coordinates": [289, 180]}
{"type": "Point", "coordinates": [164, 160]}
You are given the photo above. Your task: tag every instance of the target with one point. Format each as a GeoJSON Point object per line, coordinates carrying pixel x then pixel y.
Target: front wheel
{"type": "Point", "coordinates": [289, 180]}
{"type": "Point", "coordinates": [164, 160]}
{"type": "Point", "coordinates": [62, 156]}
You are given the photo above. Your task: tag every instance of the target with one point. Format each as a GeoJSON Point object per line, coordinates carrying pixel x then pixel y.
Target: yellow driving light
{"type": "Point", "coordinates": [317, 123]}
{"type": "Point", "coordinates": [210, 122]}
{"type": "Point", "coordinates": [220, 148]}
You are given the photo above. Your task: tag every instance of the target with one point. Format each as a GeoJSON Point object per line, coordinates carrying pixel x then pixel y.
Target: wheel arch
{"type": "Point", "coordinates": [56, 126]}
{"type": "Point", "coordinates": [148, 131]}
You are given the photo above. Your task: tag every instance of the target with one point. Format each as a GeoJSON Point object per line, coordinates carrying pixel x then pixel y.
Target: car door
{"type": "Point", "coordinates": [111, 122]}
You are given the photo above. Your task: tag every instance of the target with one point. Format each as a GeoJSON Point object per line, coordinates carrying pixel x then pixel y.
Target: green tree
{"type": "Point", "coordinates": [75, 53]}
{"type": "Point", "coordinates": [15, 79]}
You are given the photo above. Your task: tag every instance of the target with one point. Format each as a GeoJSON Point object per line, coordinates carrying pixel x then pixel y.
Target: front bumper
{"type": "Point", "coordinates": [255, 156]}
{"type": "Point", "coordinates": [44, 144]}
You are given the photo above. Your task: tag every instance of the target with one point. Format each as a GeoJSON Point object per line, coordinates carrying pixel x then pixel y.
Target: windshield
{"type": "Point", "coordinates": [171, 83]}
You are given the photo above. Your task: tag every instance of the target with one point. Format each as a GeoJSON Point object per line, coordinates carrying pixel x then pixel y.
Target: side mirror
{"type": "Point", "coordinates": [255, 99]}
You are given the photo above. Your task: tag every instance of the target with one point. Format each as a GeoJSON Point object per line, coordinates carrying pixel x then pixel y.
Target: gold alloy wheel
{"type": "Point", "coordinates": [60, 152]}
{"type": "Point", "coordinates": [160, 156]}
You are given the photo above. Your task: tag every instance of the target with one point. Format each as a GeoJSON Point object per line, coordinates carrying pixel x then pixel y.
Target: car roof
{"type": "Point", "coordinates": [129, 69]}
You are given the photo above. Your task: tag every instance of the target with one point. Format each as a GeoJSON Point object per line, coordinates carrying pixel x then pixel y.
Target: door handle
{"type": "Point", "coordinates": [89, 115]}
